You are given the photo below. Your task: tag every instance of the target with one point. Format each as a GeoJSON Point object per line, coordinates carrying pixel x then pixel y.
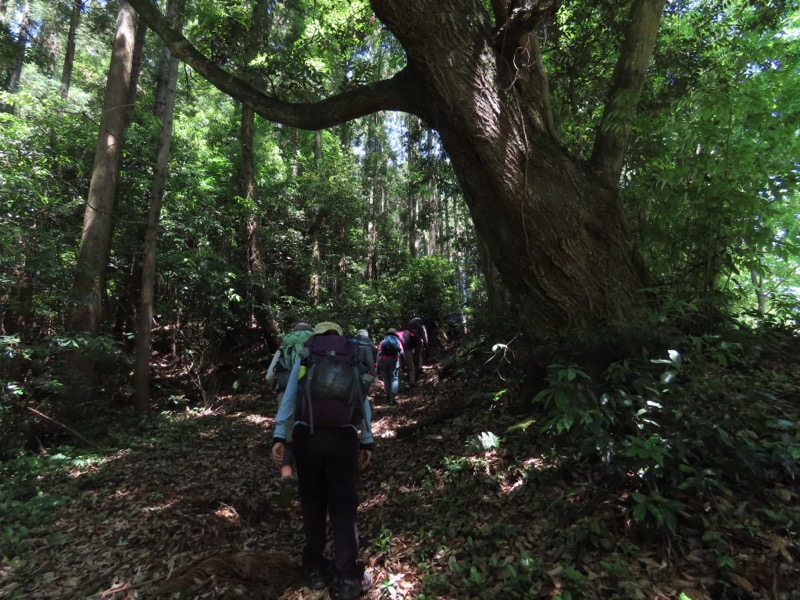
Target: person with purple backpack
{"type": "Point", "coordinates": [326, 400]}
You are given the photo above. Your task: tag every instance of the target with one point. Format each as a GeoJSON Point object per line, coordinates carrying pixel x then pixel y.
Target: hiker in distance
{"type": "Point", "coordinates": [278, 373]}
{"type": "Point", "coordinates": [326, 399]}
{"type": "Point", "coordinates": [390, 353]}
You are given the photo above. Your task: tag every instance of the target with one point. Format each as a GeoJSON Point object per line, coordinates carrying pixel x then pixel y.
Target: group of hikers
{"type": "Point", "coordinates": [323, 429]}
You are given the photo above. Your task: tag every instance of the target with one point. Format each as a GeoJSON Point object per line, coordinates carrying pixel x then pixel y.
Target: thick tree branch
{"type": "Point", "coordinates": [611, 144]}
{"type": "Point", "coordinates": [514, 22]}
{"type": "Point", "coordinates": [400, 93]}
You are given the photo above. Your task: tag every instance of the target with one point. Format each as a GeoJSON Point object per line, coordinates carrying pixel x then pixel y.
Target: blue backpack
{"type": "Point", "coordinates": [390, 346]}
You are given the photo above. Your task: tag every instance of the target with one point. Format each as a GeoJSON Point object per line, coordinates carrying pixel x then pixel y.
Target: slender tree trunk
{"type": "Point", "coordinates": [413, 197]}
{"type": "Point", "coordinates": [433, 239]}
{"type": "Point", "coordinates": [761, 296]}
{"type": "Point", "coordinates": [373, 162]}
{"type": "Point", "coordinates": [372, 236]}
{"type": "Point", "coordinates": [252, 228]}
{"type": "Point", "coordinates": [247, 135]}
{"type": "Point", "coordinates": [164, 111]}
{"type": "Point", "coordinates": [69, 56]}
{"type": "Point", "coordinates": [315, 281]}
{"type": "Point", "coordinates": [25, 281]}
{"type": "Point", "coordinates": [315, 284]}
{"type": "Point", "coordinates": [98, 223]}
{"type": "Point", "coordinates": [126, 306]}
{"type": "Point", "coordinates": [98, 220]}
{"type": "Point", "coordinates": [457, 259]}
{"type": "Point", "coordinates": [448, 233]}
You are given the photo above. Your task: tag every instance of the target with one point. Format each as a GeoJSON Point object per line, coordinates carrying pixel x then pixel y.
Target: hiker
{"type": "Point", "coordinates": [326, 398]}
{"type": "Point", "coordinates": [456, 325]}
{"type": "Point", "coordinates": [278, 374]}
{"type": "Point", "coordinates": [407, 358]}
{"type": "Point", "coordinates": [420, 343]}
{"type": "Point", "coordinates": [367, 350]}
{"type": "Point", "coordinates": [390, 352]}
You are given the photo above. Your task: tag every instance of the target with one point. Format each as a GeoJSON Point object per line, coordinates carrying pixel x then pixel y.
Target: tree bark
{"type": "Point", "coordinates": [69, 55]}
{"type": "Point", "coordinates": [554, 227]}
{"type": "Point", "coordinates": [14, 75]}
{"type": "Point", "coordinates": [98, 220]}
{"type": "Point", "coordinates": [412, 129]}
{"type": "Point", "coordinates": [164, 111]}
{"type": "Point", "coordinates": [608, 154]}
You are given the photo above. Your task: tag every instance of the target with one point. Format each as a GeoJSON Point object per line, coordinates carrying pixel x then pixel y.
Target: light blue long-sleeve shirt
{"type": "Point", "coordinates": [286, 410]}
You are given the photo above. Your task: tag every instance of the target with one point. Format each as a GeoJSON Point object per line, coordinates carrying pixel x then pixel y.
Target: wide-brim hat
{"type": "Point", "coordinates": [326, 326]}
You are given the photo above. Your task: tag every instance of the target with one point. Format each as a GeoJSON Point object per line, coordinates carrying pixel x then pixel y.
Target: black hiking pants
{"type": "Point", "coordinates": [327, 478]}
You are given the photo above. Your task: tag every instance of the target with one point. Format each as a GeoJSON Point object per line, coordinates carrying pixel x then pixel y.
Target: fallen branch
{"type": "Point", "coordinates": [70, 429]}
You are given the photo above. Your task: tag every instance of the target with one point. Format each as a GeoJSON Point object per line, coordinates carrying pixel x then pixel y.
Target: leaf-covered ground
{"type": "Point", "coordinates": [189, 511]}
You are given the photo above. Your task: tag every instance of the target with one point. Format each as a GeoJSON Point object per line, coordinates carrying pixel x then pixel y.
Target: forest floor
{"type": "Point", "coordinates": [189, 511]}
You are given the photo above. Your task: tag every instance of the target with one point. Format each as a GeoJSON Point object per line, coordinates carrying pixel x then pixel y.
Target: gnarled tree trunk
{"type": "Point", "coordinates": [554, 226]}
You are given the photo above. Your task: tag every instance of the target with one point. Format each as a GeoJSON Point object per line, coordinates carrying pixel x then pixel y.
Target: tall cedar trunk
{"type": "Point", "coordinates": [372, 235]}
{"type": "Point", "coordinates": [252, 227]}
{"type": "Point", "coordinates": [457, 257]}
{"type": "Point", "coordinates": [98, 220]}
{"type": "Point", "coordinates": [373, 162]}
{"type": "Point", "coordinates": [554, 226]}
{"type": "Point", "coordinates": [125, 317]}
{"type": "Point", "coordinates": [433, 239]}
{"type": "Point", "coordinates": [430, 194]}
{"type": "Point", "coordinates": [69, 56]}
{"type": "Point", "coordinates": [413, 199]}
{"type": "Point", "coordinates": [315, 280]}
{"type": "Point", "coordinates": [248, 175]}
{"type": "Point", "coordinates": [164, 110]}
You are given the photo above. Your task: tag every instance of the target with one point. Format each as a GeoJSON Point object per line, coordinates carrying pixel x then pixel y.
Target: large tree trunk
{"type": "Point", "coordinates": [164, 111]}
{"type": "Point", "coordinates": [554, 227]}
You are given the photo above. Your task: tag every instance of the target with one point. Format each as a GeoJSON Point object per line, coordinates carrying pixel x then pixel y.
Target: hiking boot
{"type": "Point", "coordinates": [288, 486]}
{"type": "Point", "coordinates": [315, 579]}
{"type": "Point", "coordinates": [350, 589]}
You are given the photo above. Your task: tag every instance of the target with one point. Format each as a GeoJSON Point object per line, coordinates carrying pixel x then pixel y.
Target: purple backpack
{"type": "Point", "coordinates": [332, 393]}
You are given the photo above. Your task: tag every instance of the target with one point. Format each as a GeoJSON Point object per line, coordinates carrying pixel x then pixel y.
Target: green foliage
{"type": "Point", "coordinates": [42, 171]}
{"type": "Point", "coordinates": [714, 187]}
{"type": "Point", "coordinates": [691, 423]}
{"type": "Point", "coordinates": [570, 403]}
{"type": "Point", "coordinates": [39, 368]}
{"type": "Point", "coordinates": [423, 287]}
{"type": "Point", "coordinates": [486, 555]}
{"type": "Point", "coordinates": [482, 442]}
{"type": "Point", "coordinates": [24, 505]}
